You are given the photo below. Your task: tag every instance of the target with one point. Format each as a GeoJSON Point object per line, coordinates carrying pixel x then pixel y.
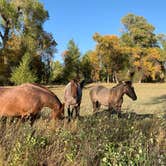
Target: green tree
{"type": "Point", "coordinates": [162, 42]}
{"type": "Point", "coordinates": [72, 65]}
{"type": "Point", "coordinates": [23, 20]}
{"type": "Point", "coordinates": [138, 32]}
{"type": "Point", "coordinates": [23, 73]}
{"type": "Point", "coordinates": [56, 72]}
{"type": "Point", "coordinates": [86, 67]}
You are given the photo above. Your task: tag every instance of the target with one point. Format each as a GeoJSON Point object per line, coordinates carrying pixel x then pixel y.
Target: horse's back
{"type": "Point", "coordinates": [99, 93]}
{"type": "Point", "coordinates": [17, 100]}
{"type": "Point", "coordinates": [20, 100]}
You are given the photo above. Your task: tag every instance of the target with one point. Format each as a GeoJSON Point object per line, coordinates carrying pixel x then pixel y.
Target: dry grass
{"type": "Point", "coordinates": [151, 98]}
{"type": "Point", "coordinates": [93, 139]}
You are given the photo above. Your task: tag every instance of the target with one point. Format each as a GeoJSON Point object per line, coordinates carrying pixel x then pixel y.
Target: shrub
{"type": "Point", "coordinates": [23, 73]}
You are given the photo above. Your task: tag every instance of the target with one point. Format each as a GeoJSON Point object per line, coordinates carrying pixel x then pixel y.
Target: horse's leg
{"type": "Point", "coordinates": [69, 113]}
{"type": "Point", "coordinates": [77, 109]}
{"type": "Point", "coordinates": [33, 117]}
{"type": "Point", "coordinates": [23, 119]}
{"type": "Point", "coordinates": [73, 111]}
{"type": "Point", "coordinates": [110, 108]}
{"type": "Point", "coordinates": [94, 106]}
{"type": "Point", "coordinates": [98, 105]}
{"type": "Point", "coordinates": [119, 111]}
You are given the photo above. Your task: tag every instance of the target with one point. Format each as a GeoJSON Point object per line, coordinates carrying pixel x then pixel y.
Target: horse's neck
{"type": "Point", "coordinates": [119, 92]}
{"type": "Point", "coordinates": [50, 101]}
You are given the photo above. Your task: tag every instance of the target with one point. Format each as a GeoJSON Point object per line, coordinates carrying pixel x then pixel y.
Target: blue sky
{"type": "Point", "coordinates": [80, 19]}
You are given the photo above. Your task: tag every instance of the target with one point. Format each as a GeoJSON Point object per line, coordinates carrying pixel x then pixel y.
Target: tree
{"type": "Point", "coordinates": [146, 63]}
{"type": "Point", "coordinates": [138, 32]}
{"type": "Point", "coordinates": [56, 74]}
{"type": "Point", "coordinates": [95, 62]}
{"type": "Point", "coordinates": [23, 73]}
{"type": "Point", "coordinates": [23, 20]}
{"type": "Point", "coordinates": [86, 67]}
{"type": "Point", "coordinates": [111, 54]}
{"type": "Point", "coordinates": [72, 65]}
{"type": "Point", "coordinates": [162, 42]}
{"type": "Point", "coordinates": [145, 53]}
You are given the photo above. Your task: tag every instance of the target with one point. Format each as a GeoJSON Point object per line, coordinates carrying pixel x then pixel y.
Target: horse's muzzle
{"type": "Point", "coordinates": [135, 98]}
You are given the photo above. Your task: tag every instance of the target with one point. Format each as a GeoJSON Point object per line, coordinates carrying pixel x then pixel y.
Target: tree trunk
{"type": "Point", "coordinates": [108, 78]}
{"type": "Point", "coordinates": [115, 77]}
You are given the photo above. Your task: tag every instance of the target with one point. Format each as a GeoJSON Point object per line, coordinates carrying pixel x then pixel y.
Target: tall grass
{"type": "Point", "coordinates": [136, 138]}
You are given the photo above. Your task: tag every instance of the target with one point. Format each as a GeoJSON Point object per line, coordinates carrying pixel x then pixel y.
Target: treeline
{"type": "Point", "coordinates": [138, 54]}
{"type": "Point", "coordinates": [27, 50]}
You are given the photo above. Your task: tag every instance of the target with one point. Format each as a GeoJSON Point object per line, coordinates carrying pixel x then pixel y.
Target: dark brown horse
{"type": "Point", "coordinates": [27, 100]}
{"type": "Point", "coordinates": [113, 98]}
{"type": "Point", "coordinates": [72, 97]}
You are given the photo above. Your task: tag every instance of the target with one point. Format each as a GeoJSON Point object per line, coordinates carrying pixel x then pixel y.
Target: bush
{"type": "Point", "coordinates": [22, 73]}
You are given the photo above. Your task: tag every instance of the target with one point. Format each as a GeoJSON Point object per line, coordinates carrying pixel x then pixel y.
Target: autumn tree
{"type": "Point", "coordinates": [146, 63]}
{"type": "Point", "coordinates": [111, 55]}
{"type": "Point", "coordinates": [145, 55]}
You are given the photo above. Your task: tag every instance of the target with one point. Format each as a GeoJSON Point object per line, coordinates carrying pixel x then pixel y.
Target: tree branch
{"type": "Point", "coordinates": [1, 36]}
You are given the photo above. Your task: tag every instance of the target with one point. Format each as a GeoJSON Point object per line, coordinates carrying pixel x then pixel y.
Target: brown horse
{"type": "Point", "coordinates": [72, 97]}
{"type": "Point", "coordinates": [113, 98]}
{"type": "Point", "coordinates": [27, 100]}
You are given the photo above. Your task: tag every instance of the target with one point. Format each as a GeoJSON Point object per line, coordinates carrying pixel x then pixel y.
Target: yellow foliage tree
{"type": "Point", "coordinates": [111, 54]}
{"type": "Point", "coordinates": [146, 62]}
{"type": "Point", "coordinates": [94, 60]}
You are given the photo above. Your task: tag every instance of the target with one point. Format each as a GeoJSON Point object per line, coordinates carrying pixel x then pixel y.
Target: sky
{"type": "Point", "coordinates": [80, 19]}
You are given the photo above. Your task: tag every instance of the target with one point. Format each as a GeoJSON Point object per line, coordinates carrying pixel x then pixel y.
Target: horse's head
{"type": "Point", "coordinates": [73, 93]}
{"type": "Point", "coordinates": [60, 114]}
{"type": "Point", "coordinates": [74, 88]}
{"type": "Point", "coordinates": [129, 89]}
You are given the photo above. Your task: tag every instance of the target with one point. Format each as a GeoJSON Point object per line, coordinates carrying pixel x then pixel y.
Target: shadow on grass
{"type": "Point", "coordinates": [127, 116]}
{"type": "Point", "coordinates": [97, 115]}
{"type": "Point", "coordinates": [157, 100]}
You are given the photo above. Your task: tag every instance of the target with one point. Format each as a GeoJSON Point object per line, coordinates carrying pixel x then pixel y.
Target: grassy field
{"type": "Point", "coordinates": [151, 99]}
{"type": "Point", "coordinates": [136, 138]}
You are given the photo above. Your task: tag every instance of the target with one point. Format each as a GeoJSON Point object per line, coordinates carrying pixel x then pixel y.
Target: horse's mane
{"type": "Point", "coordinates": [117, 85]}
{"type": "Point", "coordinates": [42, 87]}
{"type": "Point", "coordinates": [121, 83]}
